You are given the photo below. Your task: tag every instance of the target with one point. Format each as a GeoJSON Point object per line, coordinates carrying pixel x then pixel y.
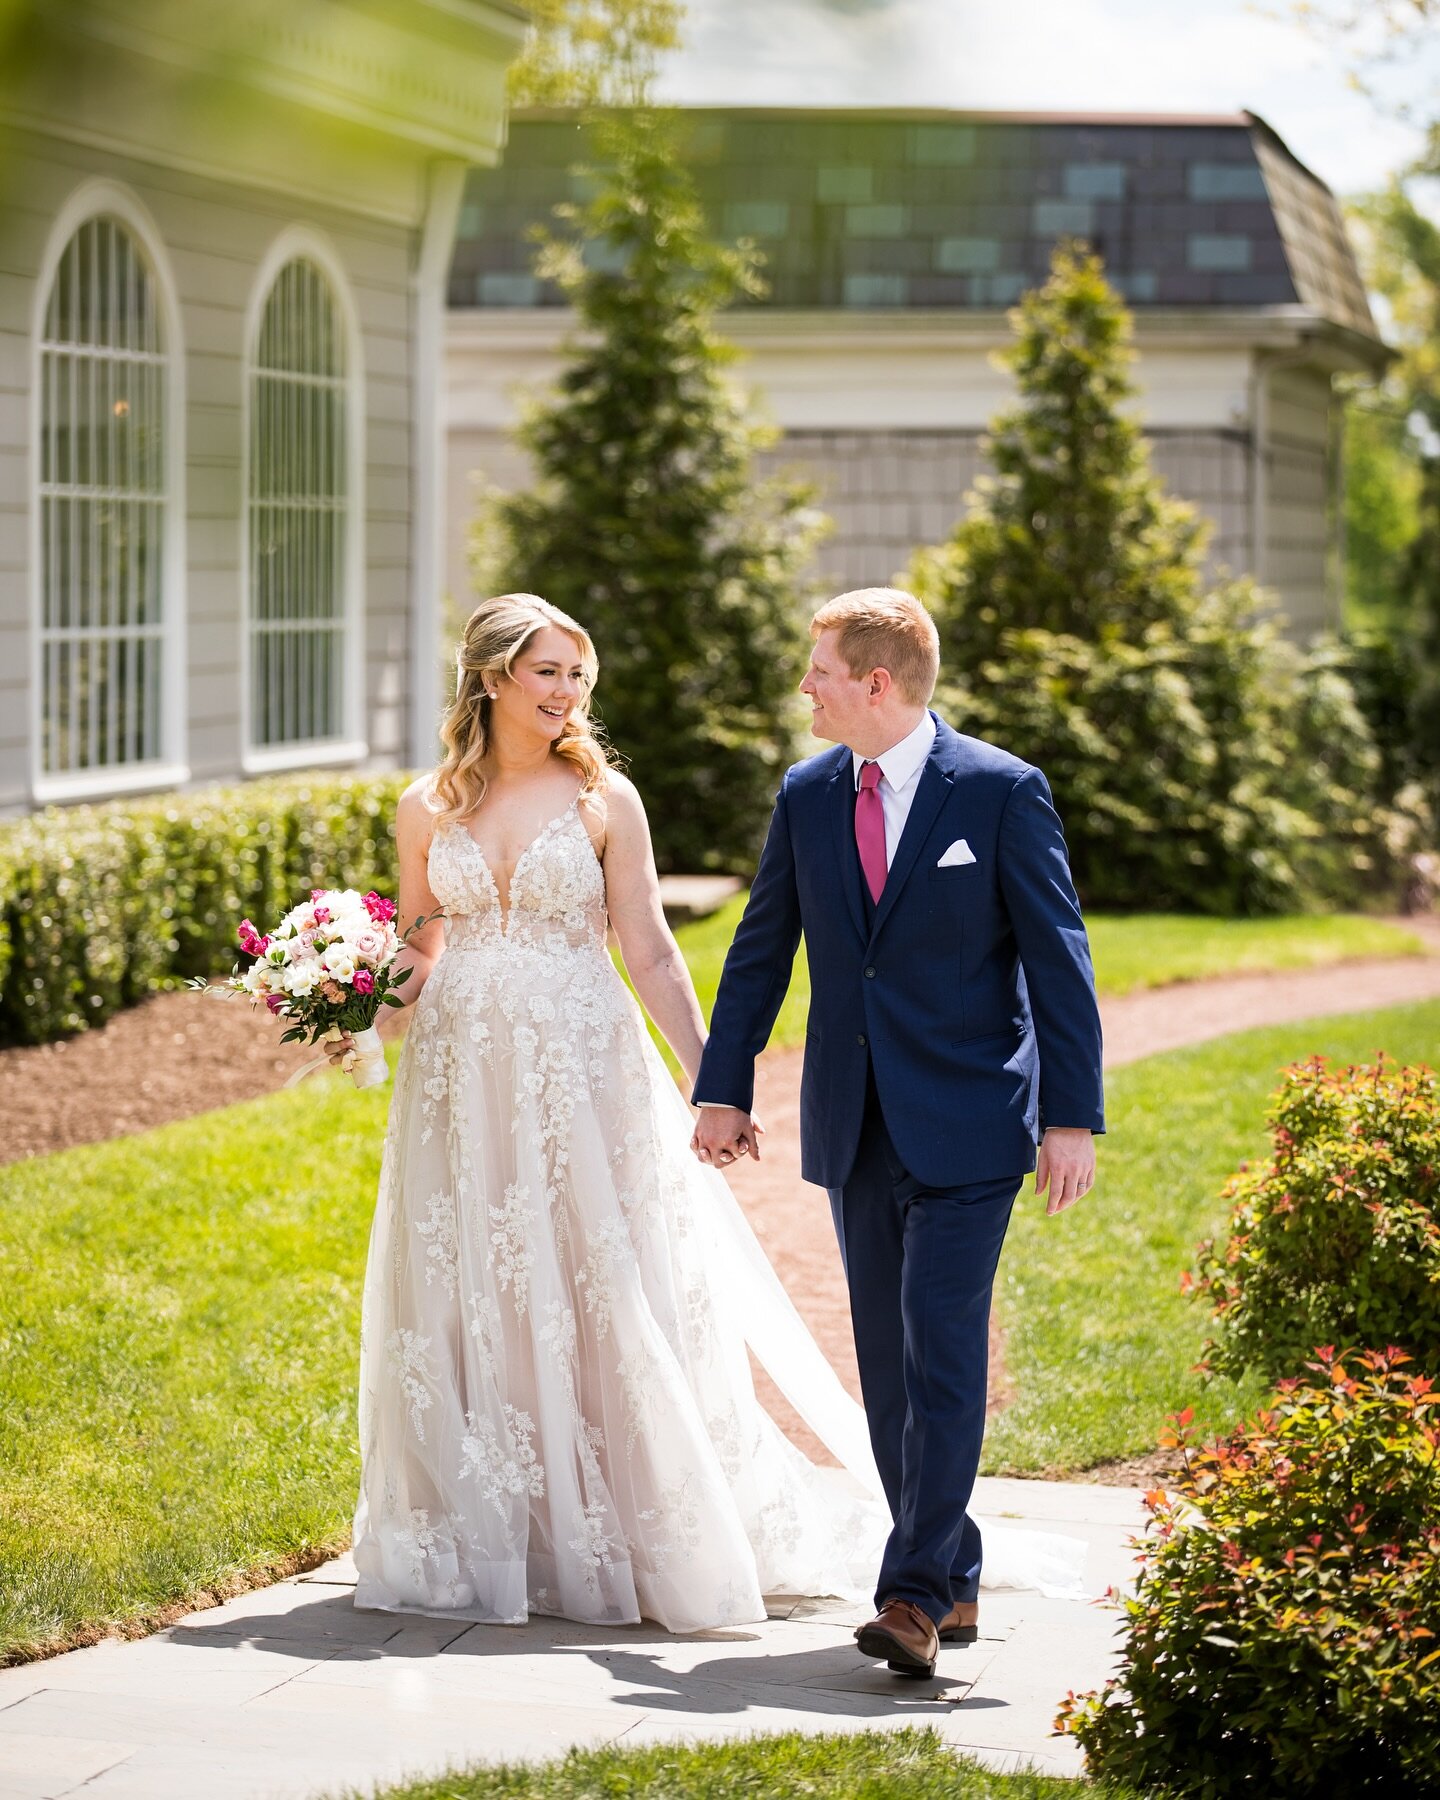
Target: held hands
{"type": "Point", "coordinates": [1066, 1166]}
{"type": "Point", "coordinates": [723, 1133]}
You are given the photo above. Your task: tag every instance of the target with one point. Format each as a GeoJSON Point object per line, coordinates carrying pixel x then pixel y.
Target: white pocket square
{"type": "Point", "coordinates": [956, 856]}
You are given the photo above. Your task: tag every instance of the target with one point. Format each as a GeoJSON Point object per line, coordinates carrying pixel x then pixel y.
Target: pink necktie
{"type": "Point", "coordinates": [870, 828]}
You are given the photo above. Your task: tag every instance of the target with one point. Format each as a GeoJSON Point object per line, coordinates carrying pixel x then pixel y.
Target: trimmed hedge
{"type": "Point", "coordinates": [102, 905]}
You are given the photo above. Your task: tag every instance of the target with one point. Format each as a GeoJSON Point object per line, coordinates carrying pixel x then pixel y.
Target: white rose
{"type": "Point", "coordinates": [339, 961]}
{"type": "Point", "coordinates": [301, 977]}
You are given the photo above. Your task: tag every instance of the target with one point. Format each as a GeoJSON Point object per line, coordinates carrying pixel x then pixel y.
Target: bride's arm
{"type": "Point", "coordinates": [652, 957]}
{"type": "Point", "coordinates": [414, 823]}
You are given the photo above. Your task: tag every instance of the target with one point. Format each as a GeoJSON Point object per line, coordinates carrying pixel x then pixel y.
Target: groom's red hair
{"type": "Point", "coordinates": [884, 628]}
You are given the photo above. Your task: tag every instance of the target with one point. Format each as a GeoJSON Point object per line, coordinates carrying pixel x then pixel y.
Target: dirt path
{"type": "Point", "coordinates": [181, 1054]}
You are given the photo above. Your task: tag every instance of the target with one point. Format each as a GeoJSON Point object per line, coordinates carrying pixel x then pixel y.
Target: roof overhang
{"type": "Point", "coordinates": [428, 73]}
{"type": "Point", "coordinates": [1278, 329]}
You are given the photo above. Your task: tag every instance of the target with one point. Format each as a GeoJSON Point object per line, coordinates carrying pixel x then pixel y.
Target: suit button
{"type": "Point", "coordinates": [869, 974]}
{"type": "Point", "coordinates": [861, 1040]}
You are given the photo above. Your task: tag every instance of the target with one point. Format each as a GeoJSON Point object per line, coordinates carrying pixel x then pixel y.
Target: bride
{"type": "Point", "coordinates": [556, 1406]}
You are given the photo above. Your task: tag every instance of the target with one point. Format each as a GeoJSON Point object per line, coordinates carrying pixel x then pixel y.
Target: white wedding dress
{"type": "Point", "coordinates": [556, 1406]}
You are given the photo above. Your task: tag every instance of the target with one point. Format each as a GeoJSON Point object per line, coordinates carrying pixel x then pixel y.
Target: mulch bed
{"type": "Point", "coordinates": [168, 1058]}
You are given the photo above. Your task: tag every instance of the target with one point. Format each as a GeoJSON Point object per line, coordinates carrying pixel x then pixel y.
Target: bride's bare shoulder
{"type": "Point", "coordinates": [620, 787]}
{"type": "Point", "coordinates": [416, 808]}
{"type": "Point", "coordinates": [620, 798]}
{"type": "Point", "coordinates": [626, 827]}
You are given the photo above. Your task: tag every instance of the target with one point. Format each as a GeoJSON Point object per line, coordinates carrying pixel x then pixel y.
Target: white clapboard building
{"type": "Point", "coordinates": [224, 239]}
{"type": "Point", "coordinates": [896, 241]}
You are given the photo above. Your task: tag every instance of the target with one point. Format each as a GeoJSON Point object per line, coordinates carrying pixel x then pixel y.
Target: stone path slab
{"type": "Point", "coordinates": [289, 1693]}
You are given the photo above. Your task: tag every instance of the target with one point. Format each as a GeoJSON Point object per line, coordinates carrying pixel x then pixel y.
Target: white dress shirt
{"type": "Point", "coordinates": [900, 768]}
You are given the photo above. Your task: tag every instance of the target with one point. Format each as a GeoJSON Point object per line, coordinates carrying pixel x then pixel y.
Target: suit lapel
{"type": "Point", "coordinates": [842, 814]}
{"type": "Point", "coordinates": [936, 781]}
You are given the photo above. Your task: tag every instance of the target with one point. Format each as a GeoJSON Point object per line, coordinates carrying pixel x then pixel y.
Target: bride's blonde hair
{"type": "Point", "coordinates": [496, 633]}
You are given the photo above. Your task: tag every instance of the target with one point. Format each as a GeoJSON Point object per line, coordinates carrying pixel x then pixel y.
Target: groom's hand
{"type": "Point", "coordinates": [1066, 1166]}
{"type": "Point", "coordinates": [723, 1133]}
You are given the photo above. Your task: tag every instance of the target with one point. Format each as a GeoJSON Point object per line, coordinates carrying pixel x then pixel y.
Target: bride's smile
{"type": "Point", "coordinates": [531, 705]}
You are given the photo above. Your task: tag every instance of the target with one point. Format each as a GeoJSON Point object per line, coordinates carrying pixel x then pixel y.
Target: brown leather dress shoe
{"type": "Point", "coordinates": [903, 1636]}
{"type": "Point", "coordinates": [961, 1625]}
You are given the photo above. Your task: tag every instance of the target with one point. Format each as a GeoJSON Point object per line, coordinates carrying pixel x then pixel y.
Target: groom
{"type": "Point", "coordinates": [953, 1025]}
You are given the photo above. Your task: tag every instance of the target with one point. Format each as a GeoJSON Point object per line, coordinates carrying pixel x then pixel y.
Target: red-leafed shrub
{"type": "Point", "coordinates": [1282, 1636]}
{"type": "Point", "coordinates": [1336, 1237]}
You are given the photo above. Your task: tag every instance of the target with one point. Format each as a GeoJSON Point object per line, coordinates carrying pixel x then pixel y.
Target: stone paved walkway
{"type": "Point", "coordinates": [289, 1692]}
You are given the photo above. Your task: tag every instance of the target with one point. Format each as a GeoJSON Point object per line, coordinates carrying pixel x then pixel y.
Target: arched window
{"type": "Point", "coordinates": [301, 519]}
{"type": "Point", "coordinates": [104, 461]}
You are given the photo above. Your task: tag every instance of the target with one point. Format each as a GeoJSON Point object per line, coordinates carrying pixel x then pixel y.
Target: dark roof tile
{"type": "Point", "coordinates": [867, 208]}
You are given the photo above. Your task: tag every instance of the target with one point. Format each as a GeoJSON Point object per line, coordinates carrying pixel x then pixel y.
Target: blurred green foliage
{"type": "Point", "coordinates": [1199, 761]}
{"type": "Point", "coordinates": [1382, 495]}
{"type": "Point", "coordinates": [1393, 476]}
{"type": "Point", "coordinates": [102, 905]}
{"type": "Point", "coordinates": [593, 52]}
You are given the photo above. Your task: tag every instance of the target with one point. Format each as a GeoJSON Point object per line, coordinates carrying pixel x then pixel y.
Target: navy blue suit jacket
{"type": "Point", "coordinates": [969, 988]}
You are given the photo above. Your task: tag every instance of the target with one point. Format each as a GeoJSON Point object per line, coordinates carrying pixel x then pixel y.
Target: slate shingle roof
{"type": "Point", "coordinates": [941, 211]}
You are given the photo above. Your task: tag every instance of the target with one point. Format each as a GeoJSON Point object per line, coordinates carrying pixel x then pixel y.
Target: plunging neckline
{"type": "Point", "coordinates": [503, 907]}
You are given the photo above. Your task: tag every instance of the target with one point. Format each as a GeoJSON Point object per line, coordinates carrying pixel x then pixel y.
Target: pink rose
{"type": "Point", "coordinates": [369, 943]}
{"type": "Point", "coordinates": [379, 908]}
{"type": "Point", "coordinates": [364, 982]}
{"type": "Point", "coordinates": [275, 1002]}
{"type": "Point", "coordinates": [251, 941]}
{"type": "Point", "coordinates": [332, 991]}
{"type": "Point", "coordinates": [322, 915]}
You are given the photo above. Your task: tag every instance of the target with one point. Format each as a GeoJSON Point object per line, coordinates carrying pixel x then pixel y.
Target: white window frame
{"type": "Point", "coordinates": [351, 745]}
{"type": "Point", "coordinates": [108, 199]}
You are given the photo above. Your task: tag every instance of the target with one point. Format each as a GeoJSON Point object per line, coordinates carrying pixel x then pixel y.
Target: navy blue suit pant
{"type": "Point", "coordinates": [920, 1264]}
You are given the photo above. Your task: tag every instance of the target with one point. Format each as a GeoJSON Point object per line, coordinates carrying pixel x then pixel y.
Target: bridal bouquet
{"type": "Point", "coordinates": [326, 966]}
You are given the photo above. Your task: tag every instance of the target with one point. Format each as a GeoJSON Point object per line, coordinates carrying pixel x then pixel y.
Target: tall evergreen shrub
{"type": "Point", "coordinates": [646, 520]}
{"type": "Point", "coordinates": [1198, 759]}
{"type": "Point", "coordinates": [1401, 243]}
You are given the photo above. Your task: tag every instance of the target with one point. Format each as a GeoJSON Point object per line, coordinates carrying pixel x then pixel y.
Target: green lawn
{"type": "Point", "coordinates": [178, 1320]}
{"type": "Point", "coordinates": [1146, 950]}
{"type": "Point", "coordinates": [1099, 1341]}
{"type": "Point", "coordinates": [907, 1764]}
{"type": "Point", "coordinates": [1142, 951]}
{"type": "Point", "coordinates": [179, 1314]}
